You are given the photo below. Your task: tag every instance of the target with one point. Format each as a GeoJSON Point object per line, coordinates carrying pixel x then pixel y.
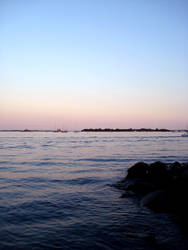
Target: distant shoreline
{"type": "Point", "coordinates": [97, 130]}
{"type": "Point", "coordinates": [126, 130]}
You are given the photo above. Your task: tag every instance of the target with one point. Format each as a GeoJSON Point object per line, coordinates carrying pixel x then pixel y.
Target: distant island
{"type": "Point", "coordinates": [33, 130]}
{"type": "Point", "coordinates": [27, 130]}
{"type": "Point", "coordinates": [125, 130]}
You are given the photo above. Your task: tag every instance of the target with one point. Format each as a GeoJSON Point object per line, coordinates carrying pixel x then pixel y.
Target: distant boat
{"type": "Point", "coordinates": [60, 131]}
{"type": "Point", "coordinates": [185, 134]}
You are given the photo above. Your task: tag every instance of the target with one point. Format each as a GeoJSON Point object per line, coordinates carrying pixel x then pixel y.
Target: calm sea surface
{"type": "Point", "coordinates": [56, 191]}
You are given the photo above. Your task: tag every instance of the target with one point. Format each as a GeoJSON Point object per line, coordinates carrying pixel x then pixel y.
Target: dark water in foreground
{"type": "Point", "coordinates": [56, 191]}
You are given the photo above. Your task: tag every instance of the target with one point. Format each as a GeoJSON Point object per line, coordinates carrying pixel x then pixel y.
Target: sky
{"type": "Point", "coordinates": [77, 64]}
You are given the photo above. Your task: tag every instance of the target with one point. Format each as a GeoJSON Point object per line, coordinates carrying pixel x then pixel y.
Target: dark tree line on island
{"type": "Point", "coordinates": [125, 130]}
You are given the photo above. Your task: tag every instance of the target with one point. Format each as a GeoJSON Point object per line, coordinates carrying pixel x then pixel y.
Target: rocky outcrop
{"type": "Point", "coordinates": [161, 187]}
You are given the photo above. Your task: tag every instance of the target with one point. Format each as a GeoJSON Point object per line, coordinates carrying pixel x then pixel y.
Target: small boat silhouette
{"type": "Point", "coordinates": [60, 131]}
{"type": "Point", "coordinates": [185, 134]}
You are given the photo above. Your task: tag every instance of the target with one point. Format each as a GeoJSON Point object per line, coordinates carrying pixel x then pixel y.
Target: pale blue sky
{"type": "Point", "coordinates": [105, 63]}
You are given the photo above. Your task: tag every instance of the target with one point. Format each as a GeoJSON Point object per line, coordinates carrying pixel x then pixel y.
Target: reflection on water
{"type": "Point", "coordinates": [56, 190]}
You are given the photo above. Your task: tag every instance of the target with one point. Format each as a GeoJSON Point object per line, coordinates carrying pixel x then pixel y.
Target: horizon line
{"type": "Point", "coordinates": [96, 130]}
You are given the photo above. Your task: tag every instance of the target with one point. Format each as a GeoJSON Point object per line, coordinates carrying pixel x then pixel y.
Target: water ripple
{"type": "Point", "coordinates": [56, 191]}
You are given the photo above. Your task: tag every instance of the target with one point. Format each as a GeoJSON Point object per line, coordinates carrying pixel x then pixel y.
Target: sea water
{"type": "Point", "coordinates": [57, 190]}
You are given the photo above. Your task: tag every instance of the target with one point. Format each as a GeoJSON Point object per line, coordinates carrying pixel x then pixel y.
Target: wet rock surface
{"type": "Point", "coordinates": [159, 186]}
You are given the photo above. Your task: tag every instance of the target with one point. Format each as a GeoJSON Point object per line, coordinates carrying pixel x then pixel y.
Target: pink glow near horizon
{"type": "Point", "coordinates": [120, 72]}
{"type": "Point", "coordinates": [79, 121]}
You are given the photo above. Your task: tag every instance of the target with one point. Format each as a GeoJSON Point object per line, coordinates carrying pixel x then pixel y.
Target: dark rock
{"type": "Point", "coordinates": [184, 174]}
{"type": "Point", "coordinates": [177, 193]}
{"type": "Point", "coordinates": [158, 173]}
{"type": "Point", "coordinates": [175, 165]}
{"type": "Point", "coordinates": [123, 184]}
{"type": "Point", "coordinates": [165, 186]}
{"type": "Point", "coordinates": [160, 187]}
{"type": "Point", "coordinates": [157, 201]}
{"type": "Point", "coordinates": [127, 194]}
{"type": "Point", "coordinates": [157, 169]}
{"type": "Point", "coordinates": [139, 170]}
{"type": "Point", "coordinates": [141, 187]}
{"type": "Point", "coordinates": [175, 169]}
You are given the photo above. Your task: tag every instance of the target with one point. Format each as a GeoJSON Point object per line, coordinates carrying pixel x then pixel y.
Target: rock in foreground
{"type": "Point", "coordinates": [162, 187]}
